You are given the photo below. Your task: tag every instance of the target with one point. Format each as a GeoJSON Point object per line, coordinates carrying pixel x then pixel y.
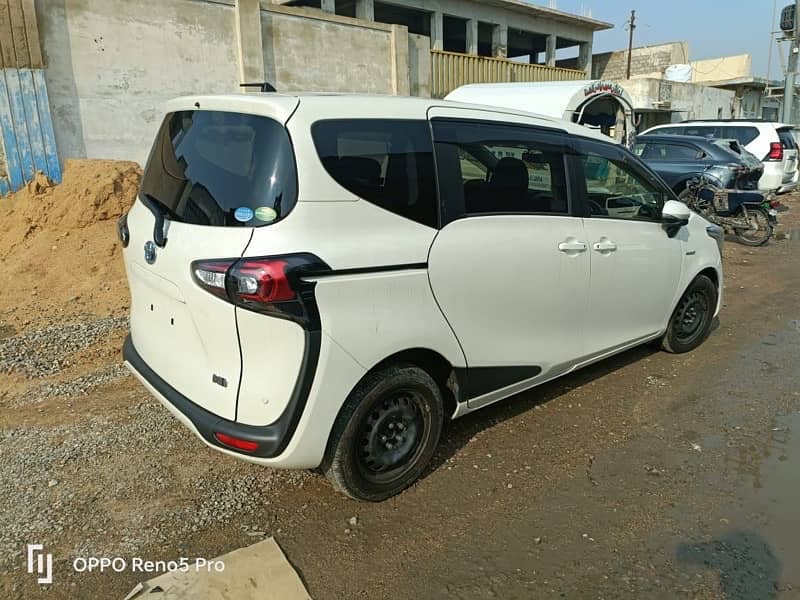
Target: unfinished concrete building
{"type": "Point", "coordinates": [462, 32]}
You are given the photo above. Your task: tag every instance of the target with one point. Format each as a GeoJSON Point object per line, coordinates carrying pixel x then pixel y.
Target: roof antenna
{"type": "Point", "coordinates": [263, 86]}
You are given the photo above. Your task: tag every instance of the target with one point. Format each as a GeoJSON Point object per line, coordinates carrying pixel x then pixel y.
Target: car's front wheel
{"type": "Point", "coordinates": [691, 320]}
{"type": "Point", "coordinates": [385, 434]}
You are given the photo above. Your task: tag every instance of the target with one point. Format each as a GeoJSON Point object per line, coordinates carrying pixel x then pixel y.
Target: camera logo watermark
{"type": "Point", "coordinates": [40, 563]}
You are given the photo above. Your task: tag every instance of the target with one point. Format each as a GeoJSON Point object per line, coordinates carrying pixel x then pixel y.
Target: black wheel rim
{"type": "Point", "coordinates": [390, 436]}
{"type": "Point", "coordinates": [691, 316]}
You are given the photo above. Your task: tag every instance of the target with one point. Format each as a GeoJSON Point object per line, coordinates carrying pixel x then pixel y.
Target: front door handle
{"type": "Point", "coordinates": [605, 246]}
{"type": "Point", "coordinates": [572, 246]}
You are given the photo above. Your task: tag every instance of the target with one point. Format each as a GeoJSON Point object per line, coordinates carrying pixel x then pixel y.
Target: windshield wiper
{"type": "Point", "coordinates": [159, 211]}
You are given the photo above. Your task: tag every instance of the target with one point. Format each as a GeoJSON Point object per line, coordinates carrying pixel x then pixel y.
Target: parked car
{"type": "Point", "coordinates": [678, 159]}
{"type": "Point", "coordinates": [772, 143]}
{"type": "Point", "coordinates": [319, 281]}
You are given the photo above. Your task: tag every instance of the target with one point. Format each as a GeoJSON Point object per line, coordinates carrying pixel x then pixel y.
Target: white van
{"type": "Point", "coordinates": [320, 281]}
{"type": "Point", "coordinates": [603, 106]}
{"type": "Point", "coordinates": [772, 143]}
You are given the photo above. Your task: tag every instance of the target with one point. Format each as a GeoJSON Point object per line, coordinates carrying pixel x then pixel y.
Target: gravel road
{"type": "Point", "coordinates": [608, 483]}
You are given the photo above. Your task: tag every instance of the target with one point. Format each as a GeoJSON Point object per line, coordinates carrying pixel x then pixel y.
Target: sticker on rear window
{"type": "Point", "coordinates": [267, 214]}
{"type": "Point", "coordinates": [243, 214]}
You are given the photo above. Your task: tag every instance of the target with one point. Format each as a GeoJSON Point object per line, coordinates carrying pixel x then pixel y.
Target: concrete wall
{"type": "Point", "coordinates": [719, 69]}
{"type": "Point", "coordinates": [112, 63]}
{"type": "Point", "coordinates": [419, 65]}
{"type": "Point", "coordinates": [309, 50]}
{"type": "Point", "coordinates": [684, 100]}
{"type": "Point", "coordinates": [646, 61]}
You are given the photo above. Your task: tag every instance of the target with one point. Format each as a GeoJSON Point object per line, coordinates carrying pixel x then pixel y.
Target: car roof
{"type": "Point", "coordinates": [335, 105]}
{"type": "Point", "coordinates": [673, 137]}
{"type": "Point", "coordinates": [727, 123]}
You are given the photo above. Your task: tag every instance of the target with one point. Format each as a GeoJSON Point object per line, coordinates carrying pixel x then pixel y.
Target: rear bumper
{"type": "Point", "coordinates": [272, 439]}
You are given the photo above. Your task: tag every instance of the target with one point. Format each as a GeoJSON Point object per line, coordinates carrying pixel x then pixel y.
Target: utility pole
{"type": "Point", "coordinates": [788, 89]}
{"type": "Point", "coordinates": [631, 27]}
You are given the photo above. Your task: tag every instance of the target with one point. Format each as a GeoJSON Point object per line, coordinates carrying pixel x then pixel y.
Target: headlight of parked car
{"type": "Point", "coordinates": [716, 232]}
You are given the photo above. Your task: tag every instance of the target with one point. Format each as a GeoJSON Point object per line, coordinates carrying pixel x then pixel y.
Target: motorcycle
{"type": "Point", "coordinates": [749, 216]}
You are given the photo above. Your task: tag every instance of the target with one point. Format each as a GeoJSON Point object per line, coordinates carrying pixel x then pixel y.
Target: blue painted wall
{"type": "Point", "coordinates": [26, 128]}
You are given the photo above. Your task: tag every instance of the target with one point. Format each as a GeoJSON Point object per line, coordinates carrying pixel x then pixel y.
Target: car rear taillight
{"type": "Point", "coordinates": [123, 233]}
{"type": "Point", "coordinates": [268, 285]}
{"type": "Point", "coordinates": [261, 281]}
{"type": "Point", "coordinates": [211, 275]}
{"type": "Point", "coordinates": [775, 151]}
{"type": "Point", "coordinates": [237, 443]}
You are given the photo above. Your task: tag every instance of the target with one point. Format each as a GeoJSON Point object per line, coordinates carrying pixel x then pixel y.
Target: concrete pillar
{"type": "Point", "coordinates": [437, 31]}
{"type": "Point", "coordinates": [550, 51]}
{"type": "Point", "coordinates": [328, 6]}
{"type": "Point", "coordinates": [365, 9]}
{"type": "Point", "coordinates": [248, 42]}
{"type": "Point", "coordinates": [401, 78]}
{"type": "Point", "coordinates": [500, 41]}
{"type": "Point", "coordinates": [472, 36]}
{"type": "Point", "coordinates": [585, 58]}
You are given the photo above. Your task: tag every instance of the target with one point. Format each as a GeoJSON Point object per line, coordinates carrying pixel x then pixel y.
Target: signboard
{"type": "Point", "coordinates": [787, 19]}
{"type": "Point", "coordinates": [603, 87]}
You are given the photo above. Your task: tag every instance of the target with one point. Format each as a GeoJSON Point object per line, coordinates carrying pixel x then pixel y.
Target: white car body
{"type": "Point", "coordinates": [757, 137]}
{"type": "Point", "coordinates": [532, 296]}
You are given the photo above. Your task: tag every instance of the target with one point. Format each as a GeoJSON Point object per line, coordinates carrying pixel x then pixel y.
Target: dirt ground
{"type": "Point", "coordinates": [647, 475]}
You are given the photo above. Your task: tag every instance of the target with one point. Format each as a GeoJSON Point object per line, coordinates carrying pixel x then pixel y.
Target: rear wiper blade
{"type": "Point", "coordinates": [159, 211]}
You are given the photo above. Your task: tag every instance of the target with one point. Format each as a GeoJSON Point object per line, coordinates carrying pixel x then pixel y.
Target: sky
{"type": "Point", "coordinates": [713, 28]}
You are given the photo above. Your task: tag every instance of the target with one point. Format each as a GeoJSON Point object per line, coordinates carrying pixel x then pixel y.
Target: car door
{"type": "Point", "coordinates": [510, 267]}
{"type": "Point", "coordinates": [635, 265]}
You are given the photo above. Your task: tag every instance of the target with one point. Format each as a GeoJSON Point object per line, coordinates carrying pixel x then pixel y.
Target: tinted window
{"type": "Point", "coordinates": [672, 152]}
{"type": "Point", "coordinates": [386, 162]}
{"type": "Point", "coordinates": [707, 131]}
{"type": "Point", "coordinates": [743, 135]}
{"type": "Point", "coordinates": [486, 168]}
{"type": "Point", "coordinates": [615, 189]}
{"type": "Point", "coordinates": [222, 169]}
{"type": "Point", "coordinates": [787, 140]}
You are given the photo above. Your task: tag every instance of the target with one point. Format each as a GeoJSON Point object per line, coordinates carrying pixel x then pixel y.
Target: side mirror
{"type": "Point", "coordinates": [674, 215]}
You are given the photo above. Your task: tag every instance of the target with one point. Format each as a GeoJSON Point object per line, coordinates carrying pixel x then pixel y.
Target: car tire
{"type": "Point", "coordinates": [385, 434]}
{"type": "Point", "coordinates": [692, 318]}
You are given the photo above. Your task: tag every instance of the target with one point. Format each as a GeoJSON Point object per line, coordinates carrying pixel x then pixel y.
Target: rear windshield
{"type": "Point", "coordinates": [222, 169]}
{"type": "Point", "coordinates": [787, 139]}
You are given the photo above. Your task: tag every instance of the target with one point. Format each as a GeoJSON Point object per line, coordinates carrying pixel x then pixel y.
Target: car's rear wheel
{"type": "Point", "coordinates": [691, 320]}
{"type": "Point", "coordinates": [385, 434]}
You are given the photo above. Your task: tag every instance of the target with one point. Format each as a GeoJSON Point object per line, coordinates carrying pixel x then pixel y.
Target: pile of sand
{"type": "Point", "coordinates": [59, 252]}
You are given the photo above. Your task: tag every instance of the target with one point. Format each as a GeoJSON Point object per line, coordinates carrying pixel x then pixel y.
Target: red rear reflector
{"type": "Point", "coordinates": [233, 442]}
{"type": "Point", "coordinates": [775, 203]}
{"type": "Point", "coordinates": [775, 151]}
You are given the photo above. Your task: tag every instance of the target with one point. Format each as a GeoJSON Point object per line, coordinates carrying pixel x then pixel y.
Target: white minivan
{"type": "Point", "coordinates": [319, 281]}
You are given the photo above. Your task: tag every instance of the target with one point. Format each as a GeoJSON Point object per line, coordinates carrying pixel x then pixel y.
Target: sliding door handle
{"type": "Point", "coordinates": [605, 246]}
{"type": "Point", "coordinates": [572, 246]}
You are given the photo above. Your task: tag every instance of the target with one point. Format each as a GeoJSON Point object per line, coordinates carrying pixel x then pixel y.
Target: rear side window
{"type": "Point", "coordinates": [743, 135]}
{"type": "Point", "coordinates": [389, 163]}
{"type": "Point", "coordinates": [493, 168]}
{"type": "Point", "coordinates": [222, 169]}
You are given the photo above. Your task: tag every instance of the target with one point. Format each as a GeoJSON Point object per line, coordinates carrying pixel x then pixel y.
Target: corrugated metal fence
{"type": "Point", "coordinates": [26, 127]}
{"type": "Point", "coordinates": [450, 70]}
